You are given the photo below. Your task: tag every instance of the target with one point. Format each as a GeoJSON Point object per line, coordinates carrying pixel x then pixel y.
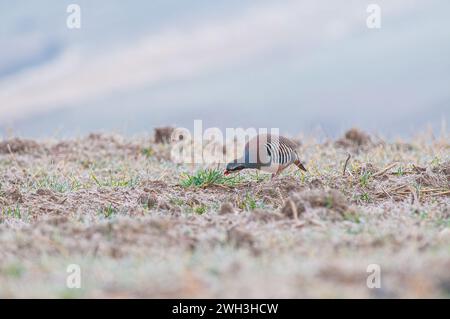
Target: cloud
{"type": "Point", "coordinates": [175, 53]}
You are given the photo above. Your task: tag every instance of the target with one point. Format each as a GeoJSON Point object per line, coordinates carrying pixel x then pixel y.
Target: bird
{"type": "Point", "coordinates": [268, 153]}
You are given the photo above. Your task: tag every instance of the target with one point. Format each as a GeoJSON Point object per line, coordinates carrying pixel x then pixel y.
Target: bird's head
{"type": "Point", "coordinates": [233, 167]}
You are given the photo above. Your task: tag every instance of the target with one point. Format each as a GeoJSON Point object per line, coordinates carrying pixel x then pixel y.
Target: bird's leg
{"type": "Point", "coordinates": [276, 174]}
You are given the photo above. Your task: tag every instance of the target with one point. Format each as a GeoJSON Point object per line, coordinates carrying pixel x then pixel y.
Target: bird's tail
{"type": "Point", "coordinates": [300, 165]}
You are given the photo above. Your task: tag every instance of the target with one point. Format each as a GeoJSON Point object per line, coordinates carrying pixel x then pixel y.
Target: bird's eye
{"type": "Point", "coordinates": [181, 137]}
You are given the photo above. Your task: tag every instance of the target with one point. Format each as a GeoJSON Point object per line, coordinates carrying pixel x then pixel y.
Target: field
{"type": "Point", "coordinates": [140, 225]}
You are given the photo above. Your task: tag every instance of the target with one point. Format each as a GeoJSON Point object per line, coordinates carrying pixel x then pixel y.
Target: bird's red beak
{"type": "Point", "coordinates": [227, 172]}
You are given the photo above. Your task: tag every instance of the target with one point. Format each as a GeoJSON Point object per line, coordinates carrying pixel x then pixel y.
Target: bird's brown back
{"type": "Point", "coordinates": [267, 149]}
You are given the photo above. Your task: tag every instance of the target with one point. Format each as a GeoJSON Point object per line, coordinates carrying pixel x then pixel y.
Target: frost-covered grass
{"type": "Point", "coordinates": [140, 225]}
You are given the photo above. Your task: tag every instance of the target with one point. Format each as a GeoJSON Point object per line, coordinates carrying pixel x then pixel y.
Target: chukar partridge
{"type": "Point", "coordinates": [269, 153]}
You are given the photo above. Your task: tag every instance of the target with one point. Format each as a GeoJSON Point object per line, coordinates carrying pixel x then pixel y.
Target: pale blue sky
{"type": "Point", "coordinates": [295, 65]}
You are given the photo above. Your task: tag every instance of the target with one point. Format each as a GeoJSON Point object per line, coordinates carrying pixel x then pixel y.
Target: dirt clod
{"type": "Point", "coordinates": [240, 238]}
{"type": "Point", "coordinates": [354, 138]}
{"type": "Point", "coordinates": [163, 205]}
{"type": "Point", "coordinates": [14, 195]}
{"type": "Point", "coordinates": [226, 208]}
{"type": "Point", "coordinates": [298, 203]}
{"type": "Point", "coordinates": [163, 135]}
{"type": "Point", "coordinates": [444, 170]}
{"type": "Point", "coordinates": [152, 201]}
{"type": "Point", "coordinates": [18, 145]}
{"type": "Point", "coordinates": [439, 176]}
{"type": "Point", "coordinates": [265, 216]}
{"type": "Point", "coordinates": [44, 192]}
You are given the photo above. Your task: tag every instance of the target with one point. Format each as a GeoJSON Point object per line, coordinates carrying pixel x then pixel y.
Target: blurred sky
{"type": "Point", "coordinates": [293, 65]}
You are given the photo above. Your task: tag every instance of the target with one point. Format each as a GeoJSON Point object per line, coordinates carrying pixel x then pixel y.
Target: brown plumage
{"type": "Point", "coordinates": [269, 153]}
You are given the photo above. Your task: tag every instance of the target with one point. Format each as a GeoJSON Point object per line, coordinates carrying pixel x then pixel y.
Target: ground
{"type": "Point", "coordinates": [140, 225]}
